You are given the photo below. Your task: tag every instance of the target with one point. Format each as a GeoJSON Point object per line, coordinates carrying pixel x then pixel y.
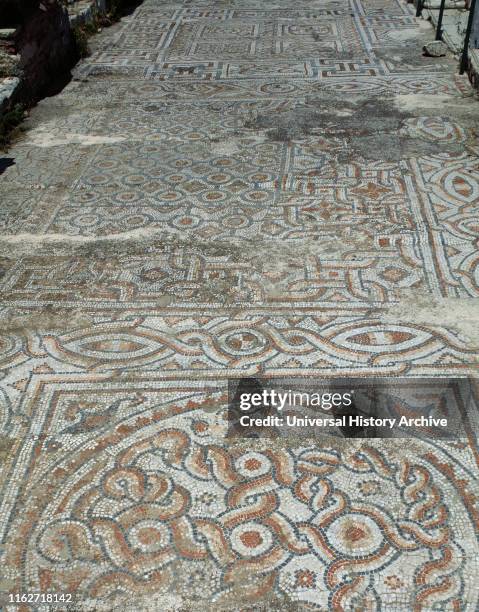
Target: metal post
{"type": "Point", "coordinates": [439, 20]}
{"type": "Point", "coordinates": [463, 64]}
{"type": "Point", "coordinates": [420, 4]}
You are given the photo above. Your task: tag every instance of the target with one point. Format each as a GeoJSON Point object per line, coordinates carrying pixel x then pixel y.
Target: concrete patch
{"type": "Point", "coordinates": [403, 35]}
{"type": "Point", "coordinates": [135, 240]}
{"type": "Point", "coordinates": [413, 103]}
{"type": "Point", "coordinates": [419, 308]}
{"type": "Point", "coordinates": [42, 138]}
{"type": "Point", "coordinates": [45, 319]}
{"type": "Point", "coordinates": [227, 147]}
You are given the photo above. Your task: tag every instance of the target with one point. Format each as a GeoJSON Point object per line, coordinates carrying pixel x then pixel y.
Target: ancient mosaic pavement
{"type": "Point", "coordinates": [228, 189]}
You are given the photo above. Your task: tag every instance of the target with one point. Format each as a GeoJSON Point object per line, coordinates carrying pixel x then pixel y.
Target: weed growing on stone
{"type": "Point", "coordinates": [81, 35]}
{"type": "Point", "coordinates": [9, 123]}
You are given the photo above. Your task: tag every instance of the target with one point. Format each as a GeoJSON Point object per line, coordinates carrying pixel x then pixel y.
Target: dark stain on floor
{"type": "Point", "coordinates": [5, 162]}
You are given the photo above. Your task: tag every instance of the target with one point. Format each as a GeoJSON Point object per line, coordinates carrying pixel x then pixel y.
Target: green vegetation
{"type": "Point", "coordinates": [81, 34]}
{"type": "Point", "coordinates": [9, 122]}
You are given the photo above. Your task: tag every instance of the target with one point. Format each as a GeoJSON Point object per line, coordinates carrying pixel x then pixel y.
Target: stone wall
{"type": "Point", "coordinates": [47, 50]}
{"type": "Point", "coordinates": [37, 51]}
{"type": "Point", "coordinates": [40, 41]}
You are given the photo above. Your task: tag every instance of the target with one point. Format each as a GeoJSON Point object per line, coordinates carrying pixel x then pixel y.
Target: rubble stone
{"type": "Point", "coordinates": [435, 48]}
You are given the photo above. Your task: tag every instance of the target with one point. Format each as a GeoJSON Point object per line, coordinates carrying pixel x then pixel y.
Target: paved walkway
{"type": "Point", "coordinates": [227, 189]}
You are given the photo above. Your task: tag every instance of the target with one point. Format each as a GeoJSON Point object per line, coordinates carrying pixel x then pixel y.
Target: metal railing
{"type": "Point", "coordinates": [439, 31]}
{"type": "Point", "coordinates": [467, 38]}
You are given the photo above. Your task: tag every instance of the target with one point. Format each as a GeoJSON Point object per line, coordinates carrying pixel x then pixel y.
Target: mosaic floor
{"type": "Point", "coordinates": [225, 189]}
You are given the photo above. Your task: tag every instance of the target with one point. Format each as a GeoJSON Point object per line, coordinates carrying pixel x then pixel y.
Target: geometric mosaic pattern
{"type": "Point", "coordinates": [228, 189]}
